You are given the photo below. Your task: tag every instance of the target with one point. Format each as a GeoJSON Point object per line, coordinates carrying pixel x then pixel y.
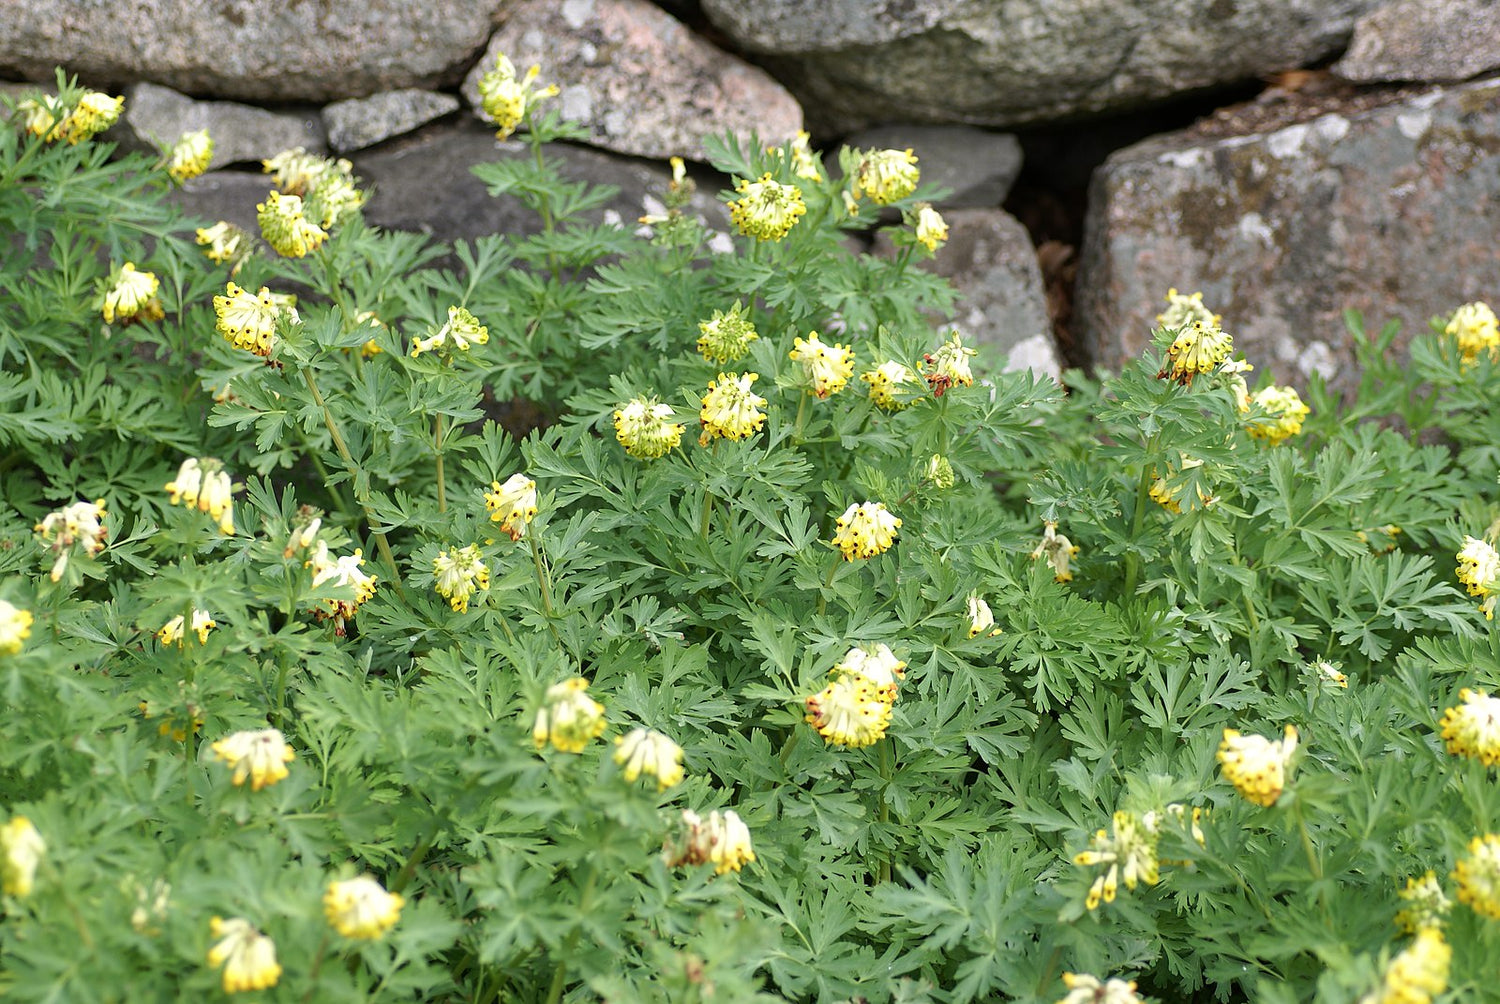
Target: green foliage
{"type": "Point", "coordinates": [704, 595]}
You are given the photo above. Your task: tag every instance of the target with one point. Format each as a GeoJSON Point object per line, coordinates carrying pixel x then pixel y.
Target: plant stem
{"type": "Point", "coordinates": [887, 769]}
{"type": "Point", "coordinates": [437, 445]}
{"type": "Point", "coordinates": [827, 585]}
{"type": "Point", "coordinates": [317, 966]}
{"type": "Point", "coordinates": [541, 575]}
{"type": "Point", "coordinates": [1142, 496]}
{"type": "Point", "coordinates": [801, 415]}
{"type": "Point", "coordinates": [708, 511]}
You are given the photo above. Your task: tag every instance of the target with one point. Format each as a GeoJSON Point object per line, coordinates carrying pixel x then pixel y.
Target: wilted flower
{"type": "Point", "coordinates": [203, 484]}
{"type": "Point", "coordinates": [1426, 904]}
{"type": "Point", "coordinates": [360, 908]}
{"type": "Point", "coordinates": [1086, 989]}
{"type": "Point", "coordinates": [1477, 330]}
{"type": "Point", "coordinates": [512, 504]}
{"type": "Point", "coordinates": [223, 242]}
{"type": "Point", "coordinates": [1130, 853]}
{"type": "Point", "coordinates": [1255, 765]}
{"type": "Point", "coordinates": [506, 100]}
{"type": "Point", "coordinates": [1198, 348]}
{"type": "Point", "coordinates": [80, 524]}
{"type": "Point", "coordinates": [462, 329]}
{"type": "Point", "coordinates": [260, 755]}
{"type": "Point", "coordinates": [1059, 552]}
{"type": "Point", "coordinates": [1479, 569]}
{"type": "Point", "coordinates": [15, 627]}
{"type": "Point", "coordinates": [459, 574]}
{"type": "Point", "coordinates": [249, 321]}
{"type": "Point", "coordinates": [285, 226]}
{"type": "Point", "coordinates": [1472, 729]}
{"type": "Point", "coordinates": [645, 428]}
{"type": "Point", "coordinates": [981, 619]}
{"type": "Point", "coordinates": [131, 296]}
{"type": "Point", "coordinates": [850, 711]}
{"type": "Point", "coordinates": [343, 571]}
{"type": "Point", "coordinates": [646, 751]}
{"type": "Point", "coordinates": [248, 957]}
{"type": "Point", "coordinates": [21, 850]}
{"type": "Point", "coordinates": [931, 230]}
{"type": "Point", "coordinates": [886, 176]}
{"type": "Point", "coordinates": [1478, 876]}
{"type": "Point", "coordinates": [766, 209]}
{"type": "Point", "coordinates": [886, 381]}
{"type": "Point", "coordinates": [730, 408]}
{"type": "Point", "coordinates": [568, 718]}
{"type": "Point", "coordinates": [1417, 974]}
{"type": "Point", "coordinates": [949, 365]}
{"type": "Point", "coordinates": [722, 839]}
{"type": "Point", "coordinates": [1284, 414]}
{"type": "Point", "coordinates": [172, 632]}
{"type": "Point", "coordinates": [827, 366]}
{"type": "Point", "coordinates": [1183, 311]}
{"type": "Point", "coordinates": [725, 337]}
{"type": "Point", "coordinates": [94, 113]}
{"type": "Point", "coordinates": [190, 155]}
{"type": "Point", "coordinates": [865, 530]}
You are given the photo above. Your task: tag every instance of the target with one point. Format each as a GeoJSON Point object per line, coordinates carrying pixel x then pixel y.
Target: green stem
{"type": "Point", "coordinates": [1313, 862]}
{"type": "Point", "coordinates": [801, 416]}
{"type": "Point", "coordinates": [317, 966]}
{"type": "Point", "coordinates": [560, 974]}
{"type": "Point", "coordinates": [1142, 497]}
{"type": "Point", "coordinates": [827, 585]}
{"type": "Point", "coordinates": [409, 869]}
{"type": "Point", "coordinates": [437, 445]}
{"type": "Point", "coordinates": [887, 770]}
{"type": "Point", "coordinates": [708, 511]}
{"type": "Point", "coordinates": [541, 575]}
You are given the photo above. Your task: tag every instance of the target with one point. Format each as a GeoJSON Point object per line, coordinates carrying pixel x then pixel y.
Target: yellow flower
{"type": "Point", "coordinates": [286, 228]}
{"type": "Point", "coordinates": [1234, 371]}
{"type": "Point", "coordinates": [804, 163]}
{"type": "Point", "coordinates": [512, 504]}
{"type": "Point", "coordinates": [886, 381]}
{"type": "Point", "coordinates": [723, 839]}
{"type": "Point", "coordinates": [190, 155]}
{"type": "Point", "coordinates": [131, 296]}
{"type": "Point", "coordinates": [1328, 673]}
{"type": "Point", "coordinates": [248, 321]}
{"type": "Point", "coordinates": [1183, 311]}
{"type": "Point", "coordinates": [223, 242]}
{"type": "Point", "coordinates": [334, 195]}
{"type": "Point", "coordinates": [729, 408]}
{"type": "Point", "coordinates": [40, 116]}
{"type": "Point", "coordinates": [304, 531]}
{"type": "Point", "coordinates": [949, 365]}
{"type": "Point", "coordinates": [261, 756]}
{"type": "Point", "coordinates": [203, 484]}
{"type": "Point", "coordinates": [506, 100]}
{"type": "Point", "coordinates": [932, 231]}
{"type": "Point", "coordinates": [766, 209]}
{"type": "Point", "coordinates": [1477, 330]}
{"type": "Point", "coordinates": [886, 176]}
{"type": "Point", "coordinates": [723, 338]}
{"type": "Point", "coordinates": [1473, 728]}
{"type": "Point", "coordinates": [21, 850]}
{"type": "Point", "coordinates": [865, 530]}
{"type": "Point", "coordinates": [1479, 569]}
{"type": "Point", "coordinates": [1416, 975]}
{"type": "Point", "coordinates": [939, 472]}
{"type": "Point", "coordinates": [1086, 989]}
{"type": "Point", "coordinates": [850, 711]}
{"type": "Point", "coordinates": [460, 574]}
{"type": "Point", "coordinates": [568, 718]}
{"type": "Point", "coordinates": [878, 666]}
{"type": "Point", "coordinates": [981, 618]}
{"type": "Point", "coordinates": [462, 329]}
{"type": "Point", "coordinates": [645, 751]}
{"type": "Point", "coordinates": [15, 627]}
{"type": "Point", "coordinates": [1255, 765]}
{"type": "Point", "coordinates": [1426, 905]}
{"type": "Point", "coordinates": [295, 171]}
{"type": "Point", "coordinates": [1130, 853]}
{"type": "Point", "coordinates": [1198, 348]}
{"type": "Point", "coordinates": [248, 957]}
{"type": "Point", "coordinates": [1478, 876]}
{"type": "Point", "coordinates": [94, 113]}
{"type": "Point", "coordinates": [645, 428]}
{"type": "Point", "coordinates": [343, 571]}
{"type": "Point", "coordinates": [361, 908]}
{"type": "Point", "coordinates": [1059, 552]}
{"type": "Point", "coordinates": [79, 523]}
{"type": "Point", "coordinates": [1284, 410]}
{"type": "Point", "coordinates": [829, 367]}
{"type": "Point", "coordinates": [172, 632]}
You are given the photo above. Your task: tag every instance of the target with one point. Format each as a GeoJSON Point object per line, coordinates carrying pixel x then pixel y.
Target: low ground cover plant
{"type": "Point", "coordinates": [597, 615]}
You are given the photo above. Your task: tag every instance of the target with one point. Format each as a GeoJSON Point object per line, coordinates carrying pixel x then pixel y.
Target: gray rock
{"type": "Point", "coordinates": [979, 167]}
{"type": "Point", "coordinates": [1002, 304]}
{"type": "Point", "coordinates": [1391, 210]}
{"type": "Point", "coordinates": [223, 195]}
{"type": "Point", "coordinates": [1422, 40]}
{"type": "Point", "coordinates": [361, 122]}
{"type": "Point", "coordinates": [156, 116]}
{"type": "Point", "coordinates": [249, 49]}
{"type": "Point", "coordinates": [854, 63]}
{"type": "Point", "coordinates": [639, 80]}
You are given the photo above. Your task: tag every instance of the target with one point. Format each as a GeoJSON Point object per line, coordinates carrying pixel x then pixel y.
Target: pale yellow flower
{"type": "Point", "coordinates": [360, 908]}
{"type": "Point", "coordinates": [850, 711]}
{"type": "Point", "coordinates": [1059, 552]}
{"type": "Point", "coordinates": [804, 162]}
{"type": "Point", "coordinates": [286, 228]}
{"type": "Point", "coordinates": [79, 524]}
{"type": "Point", "coordinates": [512, 504]}
{"type": "Point", "coordinates": [939, 472]}
{"type": "Point", "coordinates": [878, 666]}
{"type": "Point", "coordinates": [887, 382]}
{"type": "Point", "coordinates": [1417, 974]}
{"type": "Point", "coordinates": [568, 718]}
{"type": "Point", "coordinates": [505, 100]}
{"type": "Point", "coordinates": [459, 574]}
{"type": "Point", "coordinates": [1284, 414]}
{"type": "Point", "coordinates": [730, 409]}
{"type": "Point", "coordinates": [342, 571]}
{"type": "Point", "coordinates": [1255, 765]}
{"type": "Point", "coordinates": [1086, 989]}
{"type": "Point", "coordinates": [248, 321]}
{"type": "Point", "coordinates": [1477, 330]}
{"type": "Point", "coordinates": [766, 209]}
{"type": "Point", "coordinates": [886, 176]}
{"type": "Point", "coordinates": [260, 755]}
{"type": "Point", "coordinates": [949, 365]}
{"type": "Point", "coordinates": [248, 957]}
{"type": "Point", "coordinates": [1129, 850]}
{"type": "Point", "coordinates": [94, 113]}
{"type": "Point", "coordinates": [1198, 348]}
{"type": "Point", "coordinates": [15, 627]}
{"type": "Point", "coordinates": [131, 296]}
{"type": "Point", "coordinates": [646, 751]}
{"type": "Point", "coordinates": [645, 428]}
{"type": "Point", "coordinates": [829, 367]}
{"type": "Point", "coordinates": [21, 850]}
{"type": "Point", "coordinates": [223, 242]}
{"type": "Point", "coordinates": [40, 116]}
{"type": "Point", "coordinates": [1426, 904]}
{"type": "Point", "coordinates": [173, 633]}
{"type": "Point", "coordinates": [931, 230]}
{"type": "Point", "coordinates": [203, 484]}
{"type": "Point", "coordinates": [1479, 570]}
{"type": "Point", "coordinates": [295, 171]}
{"type": "Point", "coordinates": [1183, 311]}
{"type": "Point", "coordinates": [722, 839]}
{"type": "Point", "coordinates": [725, 337]}
{"type": "Point", "coordinates": [462, 329]}
{"type": "Point", "coordinates": [1478, 876]}
{"type": "Point", "coordinates": [1472, 729]}
{"type": "Point", "coordinates": [865, 530]}
{"type": "Point", "coordinates": [190, 155]}
{"type": "Point", "coordinates": [1329, 673]}
{"type": "Point", "coordinates": [981, 618]}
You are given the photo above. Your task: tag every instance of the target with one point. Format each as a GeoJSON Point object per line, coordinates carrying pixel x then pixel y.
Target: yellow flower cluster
{"type": "Point", "coordinates": [1478, 876]}
{"type": "Point", "coordinates": [248, 321]}
{"type": "Point", "coordinates": [1417, 974]}
{"type": "Point", "coordinates": [855, 708]}
{"type": "Point", "coordinates": [981, 618]}
{"type": "Point", "coordinates": [462, 329]}
{"type": "Point", "coordinates": [887, 381]}
{"type": "Point", "coordinates": [260, 755]}
{"type": "Point", "coordinates": [1284, 414]}
{"type": "Point", "coordinates": [1477, 330]}
{"type": "Point", "coordinates": [248, 957]}
{"type": "Point", "coordinates": [80, 524]}
{"type": "Point", "coordinates": [568, 718]}
{"type": "Point", "coordinates": [804, 161]}
{"type": "Point", "coordinates": [94, 112]}
{"type": "Point", "coordinates": [459, 574]}
{"type": "Point", "coordinates": [325, 185]}
{"type": "Point", "coordinates": [21, 850]}
{"type": "Point", "coordinates": [931, 228]}
{"type": "Point", "coordinates": [203, 484]}
{"type": "Point", "coordinates": [646, 751]}
{"type": "Point", "coordinates": [223, 242]}
{"type": "Point", "coordinates": [131, 296]}
{"type": "Point", "coordinates": [1199, 348]}
{"type": "Point", "coordinates": [360, 908]}
{"type": "Point", "coordinates": [173, 633]}
{"type": "Point", "coordinates": [342, 571]}
{"type": "Point", "coordinates": [1059, 552]}
{"type": "Point", "coordinates": [722, 840]}
{"type": "Point", "coordinates": [949, 365]}
{"type": "Point", "coordinates": [1129, 851]}
{"type": "Point", "coordinates": [1479, 570]}
{"type": "Point", "coordinates": [190, 155]}
{"type": "Point", "coordinates": [285, 226]}
{"type": "Point", "coordinates": [730, 408]}
{"type": "Point", "coordinates": [1255, 765]}
{"type": "Point", "coordinates": [645, 428]}
{"type": "Point", "coordinates": [725, 337]}
{"type": "Point", "coordinates": [512, 504]}
{"type": "Point", "coordinates": [1472, 729]}
{"type": "Point", "coordinates": [1426, 904]}
{"type": "Point", "coordinates": [1086, 989]}
{"type": "Point", "coordinates": [766, 209]}
{"type": "Point", "coordinates": [1185, 310]}
{"type": "Point", "coordinates": [1166, 495]}
{"type": "Point", "coordinates": [865, 530]}
{"type": "Point", "coordinates": [886, 176]}
{"type": "Point", "coordinates": [15, 627]}
{"type": "Point", "coordinates": [505, 100]}
{"type": "Point", "coordinates": [829, 367]}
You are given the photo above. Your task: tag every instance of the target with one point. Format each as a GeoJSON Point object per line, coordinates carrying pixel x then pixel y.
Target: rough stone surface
{"type": "Point", "coordinates": [249, 49]}
{"type": "Point", "coordinates": [1002, 304]}
{"type": "Point", "coordinates": [640, 81]}
{"type": "Point", "coordinates": [854, 63]}
{"type": "Point", "coordinates": [361, 122]}
{"type": "Point", "coordinates": [1392, 211]}
{"type": "Point", "coordinates": [224, 195]}
{"type": "Point", "coordinates": [156, 116]}
{"type": "Point", "coordinates": [1422, 40]}
{"type": "Point", "coordinates": [978, 166]}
